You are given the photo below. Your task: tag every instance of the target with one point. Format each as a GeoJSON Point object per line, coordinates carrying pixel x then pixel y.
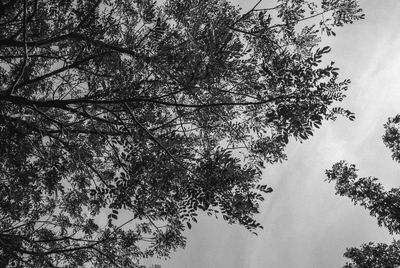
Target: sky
{"type": "Point", "coordinates": [305, 224]}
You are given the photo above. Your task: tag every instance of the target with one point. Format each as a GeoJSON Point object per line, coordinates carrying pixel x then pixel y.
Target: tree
{"type": "Point", "coordinates": [371, 255]}
{"type": "Point", "coordinates": [145, 113]}
{"type": "Point", "coordinates": [384, 205]}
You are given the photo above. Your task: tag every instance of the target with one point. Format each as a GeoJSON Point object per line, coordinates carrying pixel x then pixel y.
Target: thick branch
{"type": "Point", "coordinates": [64, 103]}
{"type": "Point", "coordinates": [25, 60]}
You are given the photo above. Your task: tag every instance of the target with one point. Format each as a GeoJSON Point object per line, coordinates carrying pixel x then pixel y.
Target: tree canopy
{"type": "Point", "coordinates": [384, 205]}
{"type": "Point", "coordinates": [145, 113]}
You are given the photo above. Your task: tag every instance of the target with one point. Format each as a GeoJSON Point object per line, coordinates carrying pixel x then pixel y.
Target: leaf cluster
{"type": "Point", "coordinates": [383, 205]}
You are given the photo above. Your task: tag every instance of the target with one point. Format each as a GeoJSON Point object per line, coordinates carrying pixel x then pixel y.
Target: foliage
{"type": "Point", "coordinates": [369, 193]}
{"type": "Point", "coordinates": [371, 255]}
{"type": "Point", "coordinates": [146, 113]}
{"type": "Point", "coordinates": [391, 138]}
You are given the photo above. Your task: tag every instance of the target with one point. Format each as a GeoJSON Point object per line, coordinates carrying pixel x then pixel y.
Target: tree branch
{"type": "Point", "coordinates": [25, 60]}
{"type": "Point", "coordinates": [64, 103]}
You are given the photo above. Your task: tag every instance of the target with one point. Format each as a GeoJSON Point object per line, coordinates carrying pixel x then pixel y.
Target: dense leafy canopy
{"type": "Point", "coordinates": [384, 205]}
{"type": "Point", "coordinates": [374, 256]}
{"type": "Point", "coordinates": [145, 113]}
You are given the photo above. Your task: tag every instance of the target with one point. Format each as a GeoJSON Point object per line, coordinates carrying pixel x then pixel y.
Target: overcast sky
{"type": "Point", "coordinates": [305, 224]}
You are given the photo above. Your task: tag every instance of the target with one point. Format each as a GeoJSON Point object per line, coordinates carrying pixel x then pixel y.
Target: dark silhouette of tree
{"type": "Point", "coordinates": [384, 205]}
{"type": "Point", "coordinates": [146, 113]}
{"type": "Point", "coordinates": [371, 255]}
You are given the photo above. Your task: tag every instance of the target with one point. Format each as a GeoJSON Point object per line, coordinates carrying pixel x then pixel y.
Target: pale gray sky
{"type": "Point", "coordinates": [305, 224]}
